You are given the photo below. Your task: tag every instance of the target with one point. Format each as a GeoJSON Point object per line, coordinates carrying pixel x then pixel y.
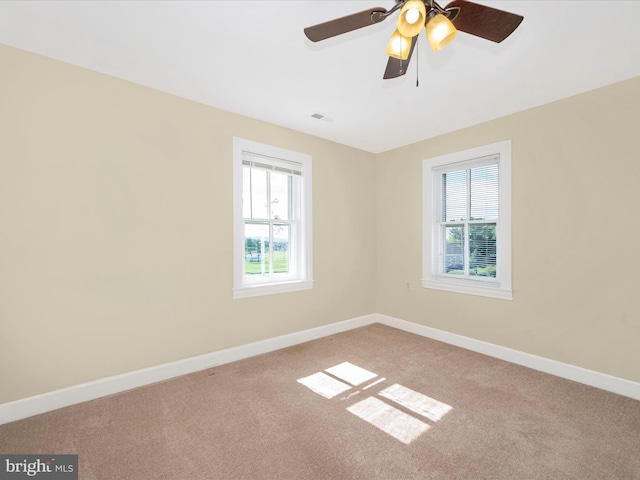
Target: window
{"type": "Point", "coordinates": [467, 221]}
{"type": "Point", "coordinates": [272, 220]}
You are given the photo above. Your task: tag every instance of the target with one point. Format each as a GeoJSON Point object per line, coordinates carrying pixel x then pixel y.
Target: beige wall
{"type": "Point", "coordinates": [575, 227]}
{"type": "Point", "coordinates": [116, 229]}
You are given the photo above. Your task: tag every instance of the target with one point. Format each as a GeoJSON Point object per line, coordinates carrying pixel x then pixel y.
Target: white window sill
{"type": "Point", "coordinates": [489, 290]}
{"type": "Point", "coordinates": [272, 288]}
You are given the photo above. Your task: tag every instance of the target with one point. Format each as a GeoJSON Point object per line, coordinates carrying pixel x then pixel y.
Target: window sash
{"type": "Point", "coordinates": [266, 255]}
{"type": "Point", "coordinates": [448, 258]}
{"type": "Point", "coordinates": [293, 197]}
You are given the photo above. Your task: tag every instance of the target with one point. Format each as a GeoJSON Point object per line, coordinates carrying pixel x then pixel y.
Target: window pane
{"type": "Point", "coordinates": [454, 196]}
{"type": "Point", "coordinates": [482, 250]}
{"type": "Point", "coordinates": [259, 201]}
{"type": "Point", "coordinates": [484, 192]}
{"type": "Point", "coordinates": [281, 252]}
{"type": "Point", "coordinates": [256, 248]}
{"type": "Point", "coordinates": [280, 195]}
{"type": "Point", "coordinates": [454, 250]}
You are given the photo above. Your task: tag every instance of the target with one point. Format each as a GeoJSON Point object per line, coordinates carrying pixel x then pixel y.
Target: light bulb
{"type": "Point", "coordinates": [412, 15]}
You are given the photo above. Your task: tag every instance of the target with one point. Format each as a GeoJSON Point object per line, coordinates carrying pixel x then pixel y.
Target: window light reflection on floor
{"type": "Point", "coordinates": [351, 373]}
{"type": "Point", "coordinates": [396, 423]}
{"type": "Point", "coordinates": [324, 385]}
{"type": "Point", "coordinates": [416, 402]}
{"type": "Point", "coordinates": [382, 415]}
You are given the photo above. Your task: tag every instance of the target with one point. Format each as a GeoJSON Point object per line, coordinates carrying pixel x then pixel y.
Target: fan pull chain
{"type": "Point", "coordinates": [417, 63]}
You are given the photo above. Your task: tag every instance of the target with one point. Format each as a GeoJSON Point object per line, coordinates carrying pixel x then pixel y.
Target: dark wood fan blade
{"type": "Point", "coordinates": [485, 22]}
{"type": "Point", "coordinates": [346, 24]}
{"type": "Point", "coordinates": [396, 67]}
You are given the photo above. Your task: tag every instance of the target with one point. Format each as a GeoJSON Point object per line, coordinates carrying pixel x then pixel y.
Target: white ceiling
{"type": "Point", "coordinates": [252, 58]}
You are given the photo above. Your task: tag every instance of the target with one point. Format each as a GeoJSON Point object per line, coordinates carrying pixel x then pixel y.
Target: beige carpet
{"type": "Point", "coordinates": [371, 403]}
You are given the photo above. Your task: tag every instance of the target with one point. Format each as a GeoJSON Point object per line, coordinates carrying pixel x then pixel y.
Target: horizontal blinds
{"type": "Point", "coordinates": [263, 162]}
{"type": "Point", "coordinates": [484, 192]}
{"type": "Point", "coordinates": [482, 250]}
{"type": "Point", "coordinates": [470, 194]}
{"type": "Point", "coordinates": [455, 200]}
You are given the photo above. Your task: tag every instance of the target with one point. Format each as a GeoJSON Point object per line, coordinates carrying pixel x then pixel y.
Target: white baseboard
{"type": "Point", "coordinates": [46, 402]}
{"type": "Point", "coordinates": [56, 399]}
{"type": "Point", "coordinates": [559, 369]}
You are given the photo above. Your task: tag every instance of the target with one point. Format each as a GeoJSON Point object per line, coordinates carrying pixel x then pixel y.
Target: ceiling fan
{"type": "Point", "coordinates": [441, 26]}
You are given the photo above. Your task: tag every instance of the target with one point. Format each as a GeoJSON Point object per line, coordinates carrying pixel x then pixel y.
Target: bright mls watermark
{"type": "Point", "coordinates": [49, 467]}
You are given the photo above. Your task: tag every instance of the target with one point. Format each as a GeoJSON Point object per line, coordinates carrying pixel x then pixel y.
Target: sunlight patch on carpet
{"type": "Point", "coordinates": [389, 419]}
{"type": "Point", "coordinates": [380, 413]}
{"type": "Point", "coordinates": [324, 385]}
{"type": "Point", "coordinates": [416, 402]}
{"type": "Point", "coordinates": [351, 373]}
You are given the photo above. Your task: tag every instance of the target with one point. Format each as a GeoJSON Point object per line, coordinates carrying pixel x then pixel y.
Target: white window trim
{"type": "Point", "coordinates": [431, 278]}
{"type": "Point", "coordinates": [305, 280]}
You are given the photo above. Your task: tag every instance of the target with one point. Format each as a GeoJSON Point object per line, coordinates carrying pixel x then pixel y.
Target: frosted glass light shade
{"type": "Point", "coordinates": [411, 18]}
{"type": "Point", "coordinates": [440, 31]}
{"type": "Point", "coordinates": [399, 46]}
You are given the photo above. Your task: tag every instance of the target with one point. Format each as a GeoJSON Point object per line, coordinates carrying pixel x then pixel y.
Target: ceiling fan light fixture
{"type": "Point", "coordinates": [440, 31]}
{"type": "Point", "coordinates": [473, 18]}
{"type": "Point", "coordinates": [399, 46]}
{"type": "Point", "coordinates": [412, 18]}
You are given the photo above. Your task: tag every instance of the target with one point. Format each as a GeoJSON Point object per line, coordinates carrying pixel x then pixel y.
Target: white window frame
{"type": "Point", "coordinates": [303, 279]}
{"type": "Point", "coordinates": [432, 170]}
